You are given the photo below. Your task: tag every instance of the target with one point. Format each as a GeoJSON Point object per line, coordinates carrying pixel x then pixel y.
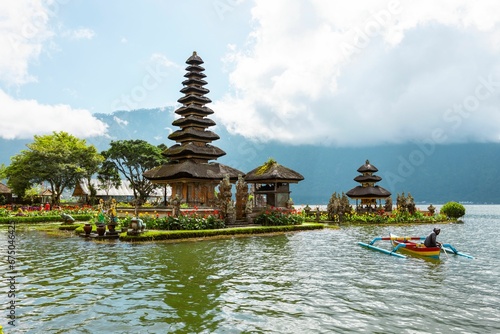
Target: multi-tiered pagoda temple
{"type": "Point", "coordinates": [189, 171]}
{"type": "Point", "coordinates": [368, 193]}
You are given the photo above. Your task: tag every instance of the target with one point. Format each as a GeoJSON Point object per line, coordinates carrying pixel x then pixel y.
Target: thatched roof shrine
{"type": "Point", "coordinates": [5, 192]}
{"type": "Point", "coordinates": [273, 171]}
{"type": "Point", "coordinates": [368, 192]}
{"type": "Point", "coordinates": [271, 183]}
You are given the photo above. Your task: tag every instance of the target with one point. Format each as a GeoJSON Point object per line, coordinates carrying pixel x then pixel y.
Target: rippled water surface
{"type": "Point", "coordinates": [306, 282]}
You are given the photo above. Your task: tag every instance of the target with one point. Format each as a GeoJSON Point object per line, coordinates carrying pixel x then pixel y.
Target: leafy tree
{"type": "Point", "coordinates": [108, 176]}
{"type": "Point", "coordinates": [19, 174]}
{"type": "Point", "coordinates": [59, 159]}
{"type": "Point", "coordinates": [453, 210]}
{"type": "Point", "coordinates": [132, 158]}
{"type": "Point", "coordinates": [2, 171]}
{"type": "Point", "coordinates": [31, 194]}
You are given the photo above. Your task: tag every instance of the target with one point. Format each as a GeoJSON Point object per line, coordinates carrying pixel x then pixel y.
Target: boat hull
{"type": "Point", "coordinates": [416, 249]}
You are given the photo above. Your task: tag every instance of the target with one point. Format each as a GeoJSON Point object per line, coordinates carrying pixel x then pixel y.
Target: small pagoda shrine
{"type": "Point", "coordinates": [368, 193]}
{"type": "Point", "coordinates": [270, 184]}
{"type": "Point", "coordinates": [189, 172]}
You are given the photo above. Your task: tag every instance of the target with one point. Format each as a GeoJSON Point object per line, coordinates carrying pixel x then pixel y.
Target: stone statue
{"type": "Point", "coordinates": [345, 206]}
{"type": "Point", "coordinates": [249, 209]}
{"type": "Point", "coordinates": [249, 205]}
{"type": "Point", "coordinates": [338, 206]}
{"type": "Point", "coordinates": [333, 206]}
{"type": "Point", "coordinates": [101, 217]}
{"type": "Point", "coordinates": [402, 203]}
{"type": "Point", "coordinates": [112, 212]}
{"type": "Point", "coordinates": [67, 218]}
{"type": "Point", "coordinates": [176, 205]}
{"type": "Point", "coordinates": [241, 196]}
{"type": "Point", "coordinates": [224, 195]}
{"type": "Point", "coordinates": [410, 204]}
{"type": "Point", "coordinates": [388, 204]}
{"type": "Point", "coordinates": [230, 213]}
{"type": "Point", "coordinates": [307, 210]}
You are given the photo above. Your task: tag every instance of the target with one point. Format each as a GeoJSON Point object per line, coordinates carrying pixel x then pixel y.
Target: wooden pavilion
{"type": "Point", "coordinates": [368, 193]}
{"type": "Point", "coordinates": [189, 172]}
{"type": "Point", "coordinates": [271, 184]}
{"type": "Point", "coordinates": [46, 196]}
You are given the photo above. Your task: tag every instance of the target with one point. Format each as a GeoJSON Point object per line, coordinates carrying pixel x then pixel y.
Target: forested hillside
{"type": "Point", "coordinates": [431, 173]}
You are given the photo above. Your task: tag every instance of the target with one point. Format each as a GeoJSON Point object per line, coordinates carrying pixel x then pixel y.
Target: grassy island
{"type": "Point", "coordinates": [154, 235]}
{"type": "Point", "coordinates": [201, 225]}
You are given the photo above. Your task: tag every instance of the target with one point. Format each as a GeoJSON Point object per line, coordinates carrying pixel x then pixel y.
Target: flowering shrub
{"type": "Point", "coordinates": [185, 221]}
{"type": "Point", "coordinates": [276, 216]}
{"type": "Point", "coordinates": [37, 211]}
{"type": "Point", "coordinates": [4, 212]}
{"type": "Point", "coordinates": [395, 217]}
{"type": "Point", "coordinates": [188, 220]}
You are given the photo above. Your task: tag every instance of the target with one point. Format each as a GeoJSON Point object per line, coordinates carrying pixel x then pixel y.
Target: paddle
{"type": "Point", "coordinates": [444, 249]}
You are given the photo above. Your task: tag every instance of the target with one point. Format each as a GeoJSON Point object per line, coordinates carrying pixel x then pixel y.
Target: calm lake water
{"type": "Point", "coordinates": [306, 282]}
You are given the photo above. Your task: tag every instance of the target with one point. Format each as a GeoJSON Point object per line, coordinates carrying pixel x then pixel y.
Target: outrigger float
{"type": "Point", "coordinates": [406, 245]}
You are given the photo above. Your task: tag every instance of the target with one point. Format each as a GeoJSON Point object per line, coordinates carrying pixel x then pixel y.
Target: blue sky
{"type": "Point", "coordinates": [317, 72]}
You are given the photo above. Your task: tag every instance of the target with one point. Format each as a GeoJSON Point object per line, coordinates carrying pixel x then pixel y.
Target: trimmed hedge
{"type": "Point", "coordinates": [153, 235]}
{"type": "Point", "coordinates": [42, 219]}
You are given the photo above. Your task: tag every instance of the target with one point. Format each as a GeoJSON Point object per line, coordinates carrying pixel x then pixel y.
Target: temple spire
{"type": "Point", "coordinates": [193, 138]}
{"type": "Point", "coordinates": [367, 191]}
{"type": "Point", "coordinates": [189, 171]}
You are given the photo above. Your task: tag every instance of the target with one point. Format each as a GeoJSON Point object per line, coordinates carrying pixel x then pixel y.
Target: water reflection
{"type": "Point", "coordinates": [319, 281]}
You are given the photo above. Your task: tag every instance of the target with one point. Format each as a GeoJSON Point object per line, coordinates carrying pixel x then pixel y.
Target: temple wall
{"type": "Point", "coordinates": [195, 193]}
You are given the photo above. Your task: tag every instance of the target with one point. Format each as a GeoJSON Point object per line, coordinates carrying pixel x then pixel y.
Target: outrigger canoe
{"type": "Point", "coordinates": [412, 246]}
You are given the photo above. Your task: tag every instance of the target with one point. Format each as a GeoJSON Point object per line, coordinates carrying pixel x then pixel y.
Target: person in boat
{"type": "Point", "coordinates": [430, 241]}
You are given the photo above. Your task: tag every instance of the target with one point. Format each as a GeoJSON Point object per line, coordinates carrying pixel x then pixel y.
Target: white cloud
{"type": "Point", "coordinates": [369, 72]}
{"type": "Point", "coordinates": [161, 60]}
{"type": "Point", "coordinates": [120, 121]}
{"type": "Point", "coordinates": [22, 119]}
{"type": "Point", "coordinates": [23, 30]}
{"type": "Point", "coordinates": [80, 33]}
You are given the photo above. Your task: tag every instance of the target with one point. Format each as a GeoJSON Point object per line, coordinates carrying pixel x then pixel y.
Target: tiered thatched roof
{"type": "Point", "coordinates": [368, 189]}
{"type": "Point", "coordinates": [189, 169]}
{"type": "Point", "coordinates": [193, 137]}
{"type": "Point", "coordinates": [271, 171]}
{"type": "Point", "coordinates": [190, 158]}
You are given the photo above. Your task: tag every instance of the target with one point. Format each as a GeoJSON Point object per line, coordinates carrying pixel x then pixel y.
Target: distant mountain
{"type": "Point", "coordinates": [432, 174]}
